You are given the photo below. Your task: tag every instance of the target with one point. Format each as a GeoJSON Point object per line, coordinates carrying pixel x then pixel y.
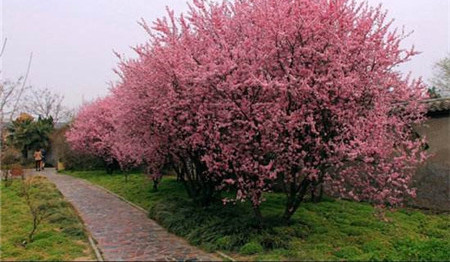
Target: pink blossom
{"type": "Point", "coordinates": [256, 91]}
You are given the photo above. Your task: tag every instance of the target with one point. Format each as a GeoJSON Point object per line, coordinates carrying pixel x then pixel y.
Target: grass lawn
{"type": "Point", "coordinates": [329, 230]}
{"type": "Point", "coordinates": [59, 237]}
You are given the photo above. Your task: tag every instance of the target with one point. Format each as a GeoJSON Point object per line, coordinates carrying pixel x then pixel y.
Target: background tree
{"type": "Point", "coordinates": [11, 95]}
{"type": "Point", "coordinates": [441, 77]}
{"type": "Point", "coordinates": [45, 103]}
{"type": "Point", "coordinates": [26, 134]}
{"type": "Point", "coordinates": [433, 92]}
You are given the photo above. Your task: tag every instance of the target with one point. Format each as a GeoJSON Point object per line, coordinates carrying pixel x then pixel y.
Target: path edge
{"type": "Point", "coordinates": [222, 255]}
{"type": "Point", "coordinates": [91, 240]}
{"type": "Point", "coordinates": [97, 252]}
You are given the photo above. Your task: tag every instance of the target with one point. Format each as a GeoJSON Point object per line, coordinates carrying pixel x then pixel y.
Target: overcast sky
{"type": "Point", "coordinates": [73, 40]}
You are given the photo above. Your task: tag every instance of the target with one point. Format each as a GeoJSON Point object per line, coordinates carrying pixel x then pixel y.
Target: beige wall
{"type": "Point", "coordinates": [437, 132]}
{"type": "Point", "coordinates": [433, 178]}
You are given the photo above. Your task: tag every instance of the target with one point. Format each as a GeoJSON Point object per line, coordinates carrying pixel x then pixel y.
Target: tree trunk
{"type": "Point", "coordinates": [35, 224]}
{"type": "Point", "coordinates": [25, 153]}
{"type": "Point", "coordinates": [320, 193]}
{"type": "Point", "coordinates": [155, 184]}
{"type": "Point", "coordinates": [109, 169]}
{"type": "Point", "coordinates": [317, 193]}
{"type": "Point", "coordinates": [295, 198]}
{"type": "Point", "coordinates": [258, 217]}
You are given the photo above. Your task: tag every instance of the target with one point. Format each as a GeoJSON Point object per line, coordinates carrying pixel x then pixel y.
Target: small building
{"type": "Point", "coordinates": [432, 180]}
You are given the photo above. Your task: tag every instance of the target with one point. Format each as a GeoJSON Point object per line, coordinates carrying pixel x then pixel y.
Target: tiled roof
{"type": "Point", "coordinates": [438, 104]}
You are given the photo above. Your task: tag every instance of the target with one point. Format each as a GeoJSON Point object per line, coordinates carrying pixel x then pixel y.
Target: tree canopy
{"type": "Point", "coordinates": [242, 95]}
{"type": "Point", "coordinates": [441, 78]}
{"type": "Point", "coordinates": [25, 133]}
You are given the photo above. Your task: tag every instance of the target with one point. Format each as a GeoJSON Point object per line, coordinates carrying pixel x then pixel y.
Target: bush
{"type": "Point", "coordinates": [77, 161]}
{"type": "Point", "coordinates": [72, 160]}
{"type": "Point", "coordinates": [251, 248]}
{"type": "Point", "coordinates": [17, 170]}
{"type": "Point", "coordinates": [224, 242]}
{"type": "Point", "coordinates": [10, 157]}
{"type": "Point", "coordinates": [10, 165]}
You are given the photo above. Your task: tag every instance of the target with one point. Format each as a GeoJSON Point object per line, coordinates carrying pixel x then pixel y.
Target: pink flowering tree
{"type": "Point", "coordinates": [139, 140]}
{"type": "Point", "coordinates": [306, 92]}
{"type": "Point", "coordinates": [247, 94]}
{"type": "Point", "coordinates": [93, 131]}
{"type": "Point", "coordinates": [160, 119]}
{"type": "Point", "coordinates": [125, 154]}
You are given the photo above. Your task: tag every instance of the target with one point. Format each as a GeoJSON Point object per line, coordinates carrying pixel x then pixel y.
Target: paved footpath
{"type": "Point", "coordinates": [123, 232]}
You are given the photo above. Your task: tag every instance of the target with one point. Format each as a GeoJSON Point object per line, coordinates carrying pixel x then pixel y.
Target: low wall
{"type": "Point", "coordinates": [432, 180]}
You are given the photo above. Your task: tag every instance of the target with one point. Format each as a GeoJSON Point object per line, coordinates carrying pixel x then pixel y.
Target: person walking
{"type": "Point", "coordinates": [43, 154]}
{"type": "Point", "coordinates": [38, 158]}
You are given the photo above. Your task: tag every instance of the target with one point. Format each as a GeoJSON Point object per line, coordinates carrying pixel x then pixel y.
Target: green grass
{"type": "Point", "coordinates": [329, 230]}
{"type": "Point", "coordinates": [60, 237]}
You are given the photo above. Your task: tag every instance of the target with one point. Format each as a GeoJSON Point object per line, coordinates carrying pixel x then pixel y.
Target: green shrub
{"type": "Point", "coordinates": [224, 242]}
{"type": "Point", "coordinates": [348, 252]}
{"type": "Point", "coordinates": [77, 161]}
{"type": "Point", "coordinates": [251, 248]}
{"type": "Point", "coordinates": [270, 240]}
{"type": "Point", "coordinates": [72, 160]}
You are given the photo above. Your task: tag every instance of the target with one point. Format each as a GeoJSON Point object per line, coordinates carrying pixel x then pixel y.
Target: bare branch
{"type": "Point", "coordinates": [45, 103]}
{"type": "Point", "coordinates": [22, 88]}
{"type": "Point", "coordinates": [3, 47]}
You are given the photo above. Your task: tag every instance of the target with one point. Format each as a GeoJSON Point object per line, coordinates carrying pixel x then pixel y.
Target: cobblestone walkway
{"type": "Point", "coordinates": [123, 232]}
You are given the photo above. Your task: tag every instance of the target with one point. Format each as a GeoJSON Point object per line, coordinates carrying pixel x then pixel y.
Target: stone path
{"type": "Point", "coordinates": [122, 231]}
